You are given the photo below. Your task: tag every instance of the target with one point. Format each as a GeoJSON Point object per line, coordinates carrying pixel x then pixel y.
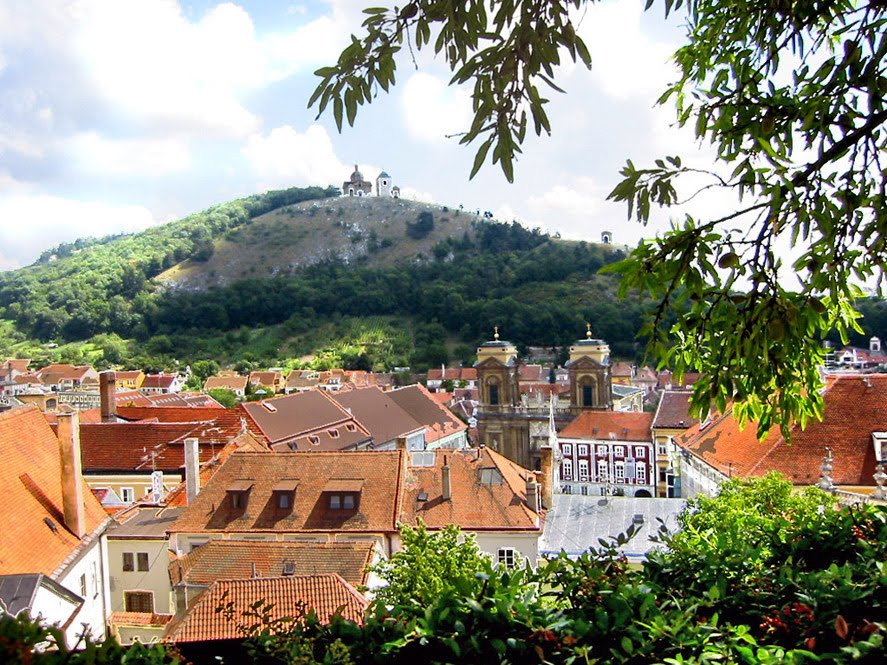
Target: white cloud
{"type": "Point", "coordinates": [127, 158]}
{"type": "Point", "coordinates": [626, 61]}
{"type": "Point", "coordinates": [432, 110]}
{"type": "Point", "coordinates": [286, 157]}
{"type": "Point", "coordinates": [33, 222]}
{"type": "Point", "coordinates": [149, 60]}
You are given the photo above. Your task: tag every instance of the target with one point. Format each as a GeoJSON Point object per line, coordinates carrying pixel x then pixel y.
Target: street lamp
{"type": "Point", "coordinates": [879, 443]}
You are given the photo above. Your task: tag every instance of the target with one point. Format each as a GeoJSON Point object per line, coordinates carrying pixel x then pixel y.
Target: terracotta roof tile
{"type": "Point", "coordinates": [33, 538]}
{"type": "Point", "coordinates": [140, 619]}
{"type": "Point", "coordinates": [158, 380]}
{"type": "Point", "coordinates": [294, 419]}
{"type": "Point", "coordinates": [622, 425]}
{"type": "Point", "coordinates": [376, 511]}
{"type": "Point", "coordinates": [234, 559]}
{"type": "Point", "coordinates": [326, 594]}
{"type": "Point", "coordinates": [438, 420]}
{"type": "Point", "coordinates": [855, 406]}
{"type": "Point", "coordinates": [226, 382]}
{"type": "Point", "coordinates": [474, 505]}
{"type": "Point", "coordinates": [673, 411]}
{"type": "Point", "coordinates": [129, 446]}
{"type": "Point", "coordinates": [379, 413]}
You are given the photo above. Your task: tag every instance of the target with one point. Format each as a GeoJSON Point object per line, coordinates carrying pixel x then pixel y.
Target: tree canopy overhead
{"type": "Point", "coordinates": [790, 93]}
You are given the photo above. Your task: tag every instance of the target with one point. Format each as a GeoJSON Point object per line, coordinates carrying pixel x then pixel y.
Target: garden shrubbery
{"type": "Point", "coordinates": [760, 574]}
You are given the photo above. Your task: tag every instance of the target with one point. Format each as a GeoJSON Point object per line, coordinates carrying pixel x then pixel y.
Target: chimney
{"type": "Point", "coordinates": [72, 477]}
{"type": "Point", "coordinates": [192, 470]}
{"type": "Point", "coordinates": [533, 498]}
{"type": "Point", "coordinates": [108, 395]}
{"type": "Point", "coordinates": [547, 476]}
{"type": "Point", "coordinates": [446, 491]}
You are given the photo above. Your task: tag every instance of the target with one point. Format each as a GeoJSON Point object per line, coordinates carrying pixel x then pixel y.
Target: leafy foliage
{"type": "Point", "coordinates": [791, 95]}
{"type": "Point", "coordinates": [756, 575]}
{"type": "Point", "coordinates": [508, 49]}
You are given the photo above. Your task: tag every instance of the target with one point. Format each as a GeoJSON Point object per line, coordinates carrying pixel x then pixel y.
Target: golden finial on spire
{"type": "Point", "coordinates": [496, 333]}
{"type": "Point", "coordinates": [588, 330]}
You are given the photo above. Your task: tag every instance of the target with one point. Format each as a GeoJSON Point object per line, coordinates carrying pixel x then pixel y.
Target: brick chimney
{"type": "Point", "coordinates": [72, 477]}
{"type": "Point", "coordinates": [108, 395]}
{"type": "Point", "coordinates": [546, 476]}
{"type": "Point", "coordinates": [446, 488]}
{"type": "Point", "coordinates": [192, 469]}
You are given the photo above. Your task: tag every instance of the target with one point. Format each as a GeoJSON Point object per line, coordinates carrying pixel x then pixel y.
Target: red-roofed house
{"type": "Point", "coordinates": [51, 525]}
{"type": "Point", "coordinates": [64, 376]}
{"type": "Point", "coordinates": [672, 419]}
{"type": "Point", "coordinates": [855, 409]}
{"type": "Point", "coordinates": [608, 452]}
{"type": "Point", "coordinates": [161, 384]}
{"type": "Point", "coordinates": [283, 596]}
{"type": "Point", "coordinates": [272, 380]}
{"type": "Point", "coordinates": [236, 384]}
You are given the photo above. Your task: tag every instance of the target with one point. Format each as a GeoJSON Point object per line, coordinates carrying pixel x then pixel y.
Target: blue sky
{"type": "Point", "coordinates": [119, 114]}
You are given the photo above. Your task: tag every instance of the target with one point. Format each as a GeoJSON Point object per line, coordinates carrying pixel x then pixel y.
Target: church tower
{"type": "Point", "coordinates": [499, 422]}
{"type": "Point", "coordinates": [383, 185]}
{"type": "Point", "coordinates": [589, 370]}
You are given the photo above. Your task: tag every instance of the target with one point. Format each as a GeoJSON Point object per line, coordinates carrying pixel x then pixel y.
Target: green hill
{"type": "Point", "coordinates": [304, 275]}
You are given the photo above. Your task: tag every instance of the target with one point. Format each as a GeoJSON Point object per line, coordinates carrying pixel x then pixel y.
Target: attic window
{"type": "Point", "coordinates": [270, 407]}
{"type": "Point", "coordinates": [334, 433]}
{"type": "Point", "coordinates": [314, 439]}
{"type": "Point", "coordinates": [490, 476]}
{"type": "Point", "coordinates": [239, 493]}
{"type": "Point", "coordinates": [289, 568]}
{"type": "Point", "coordinates": [350, 427]}
{"type": "Point", "coordinates": [422, 498]}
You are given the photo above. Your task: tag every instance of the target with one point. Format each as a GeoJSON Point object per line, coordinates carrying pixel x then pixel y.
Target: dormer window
{"type": "Point", "coordinates": [239, 492]}
{"type": "Point", "coordinates": [283, 494]}
{"type": "Point", "coordinates": [350, 427]}
{"type": "Point", "coordinates": [314, 439]}
{"type": "Point", "coordinates": [334, 433]}
{"type": "Point", "coordinates": [343, 493]}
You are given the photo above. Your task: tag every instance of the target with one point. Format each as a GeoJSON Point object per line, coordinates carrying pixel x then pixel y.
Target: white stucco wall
{"type": "Point", "coordinates": [95, 601]}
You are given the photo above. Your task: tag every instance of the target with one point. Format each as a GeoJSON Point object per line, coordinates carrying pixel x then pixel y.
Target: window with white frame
{"type": "Point", "coordinates": [602, 470]}
{"type": "Point", "coordinates": [602, 450]}
{"type": "Point", "coordinates": [641, 472]}
{"type": "Point", "coordinates": [568, 449]}
{"type": "Point", "coordinates": [619, 472]}
{"type": "Point", "coordinates": [619, 451]}
{"type": "Point", "coordinates": [640, 452]}
{"type": "Point", "coordinates": [507, 556]}
{"type": "Point", "coordinates": [663, 449]}
{"type": "Point", "coordinates": [583, 450]}
{"type": "Point", "coordinates": [583, 470]}
{"type": "Point", "coordinates": [567, 470]}
{"type": "Point", "coordinates": [127, 495]}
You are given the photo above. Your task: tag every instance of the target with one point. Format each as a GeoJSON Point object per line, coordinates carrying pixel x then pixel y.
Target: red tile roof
{"type": "Point", "coordinates": [33, 538]}
{"type": "Point", "coordinates": [617, 425]}
{"type": "Point", "coordinates": [226, 382]}
{"type": "Point", "coordinates": [855, 406]}
{"type": "Point", "coordinates": [237, 559]}
{"type": "Point", "coordinates": [285, 596]}
{"type": "Point", "coordinates": [158, 380]}
{"type": "Point", "coordinates": [438, 420]}
{"type": "Point", "coordinates": [129, 446]}
{"type": "Point", "coordinates": [379, 413]}
{"type": "Point", "coordinates": [376, 511]}
{"type": "Point", "coordinates": [474, 505]}
{"type": "Point", "coordinates": [673, 411]}
{"type": "Point", "coordinates": [297, 420]}
{"type": "Point", "coordinates": [532, 373]}
{"type": "Point", "coordinates": [140, 619]}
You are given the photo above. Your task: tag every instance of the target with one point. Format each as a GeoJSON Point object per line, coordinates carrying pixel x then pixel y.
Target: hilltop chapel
{"type": "Point", "coordinates": [357, 186]}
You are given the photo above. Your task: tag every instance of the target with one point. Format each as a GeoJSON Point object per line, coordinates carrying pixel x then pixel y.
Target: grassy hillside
{"type": "Point", "coordinates": [302, 276]}
{"type": "Point", "coordinates": [368, 232]}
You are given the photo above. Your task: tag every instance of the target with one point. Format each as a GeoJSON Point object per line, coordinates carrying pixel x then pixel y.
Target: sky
{"type": "Point", "coordinates": [119, 114]}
